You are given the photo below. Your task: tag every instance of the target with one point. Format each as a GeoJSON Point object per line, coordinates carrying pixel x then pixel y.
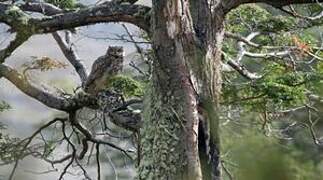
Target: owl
{"type": "Point", "coordinates": [104, 68]}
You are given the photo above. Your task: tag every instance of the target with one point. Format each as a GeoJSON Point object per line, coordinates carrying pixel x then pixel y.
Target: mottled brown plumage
{"type": "Point", "coordinates": [104, 68]}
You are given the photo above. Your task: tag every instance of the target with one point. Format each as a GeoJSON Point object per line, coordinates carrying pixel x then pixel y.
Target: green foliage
{"type": "Point", "coordinates": [17, 15]}
{"type": "Point", "coordinates": [253, 17]}
{"type": "Point", "coordinates": [246, 17]}
{"type": "Point", "coordinates": [279, 88]}
{"type": "Point", "coordinates": [309, 10]}
{"type": "Point", "coordinates": [250, 154]}
{"type": "Point", "coordinates": [10, 149]}
{"type": "Point", "coordinates": [319, 67]}
{"type": "Point", "coordinates": [126, 85]}
{"type": "Point", "coordinates": [259, 157]}
{"type": "Point", "coordinates": [258, 107]}
{"type": "Point", "coordinates": [281, 85]}
{"type": "Point", "coordinates": [4, 106]}
{"type": "Point", "coordinates": [276, 23]}
{"type": "Point", "coordinates": [49, 148]}
{"type": "Point", "coordinates": [261, 161]}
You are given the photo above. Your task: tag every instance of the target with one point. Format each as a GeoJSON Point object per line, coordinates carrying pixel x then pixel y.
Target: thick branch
{"type": "Point", "coordinates": [12, 15]}
{"type": "Point", "coordinates": [246, 40]}
{"type": "Point", "coordinates": [126, 1]}
{"type": "Point", "coordinates": [280, 3]}
{"type": "Point", "coordinates": [127, 120]}
{"type": "Point", "coordinates": [315, 98]}
{"type": "Point", "coordinates": [268, 55]}
{"type": "Point", "coordinates": [138, 15]}
{"type": "Point", "coordinates": [47, 98]}
{"type": "Point", "coordinates": [230, 4]}
{"type": "Point", "coordinates": [43, 8]}
{"type": "Point", "coordinates": [49, 10]}
{"type": "Point", "coordinates": [243, 71]}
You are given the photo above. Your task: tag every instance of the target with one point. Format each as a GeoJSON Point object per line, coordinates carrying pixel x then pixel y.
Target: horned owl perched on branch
{"type": "Point", "coordinates": [104, 68]}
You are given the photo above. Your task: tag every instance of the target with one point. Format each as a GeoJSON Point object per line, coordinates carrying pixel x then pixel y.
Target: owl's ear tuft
{"type": "Point", "coordinates": [115, 50]}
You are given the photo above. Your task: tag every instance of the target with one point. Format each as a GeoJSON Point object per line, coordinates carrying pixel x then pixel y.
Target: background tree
{"type": "Point", "coordinates": [178, 133]}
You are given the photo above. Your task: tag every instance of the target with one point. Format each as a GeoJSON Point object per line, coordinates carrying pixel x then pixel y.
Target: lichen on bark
{"type": "Point", "coordinates": [161, 153]}
{"type": "Point", "coordinates": [16, 16]}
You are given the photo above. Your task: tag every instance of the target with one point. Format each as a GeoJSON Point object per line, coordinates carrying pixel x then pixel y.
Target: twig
{"type": "Point", "coordinates": [73, 153]}
{"type": "Point", "coordinates": [230, 176]}
{"type": "Point", "coordinates": [98, 160]}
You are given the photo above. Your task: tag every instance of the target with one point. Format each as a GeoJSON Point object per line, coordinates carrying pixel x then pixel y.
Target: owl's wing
{"type": "Point", "coordinates": [97, 71]}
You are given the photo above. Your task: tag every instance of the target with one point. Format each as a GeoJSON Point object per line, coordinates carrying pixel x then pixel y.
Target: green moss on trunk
{"type": "Point", "coordinates": [162, 155]}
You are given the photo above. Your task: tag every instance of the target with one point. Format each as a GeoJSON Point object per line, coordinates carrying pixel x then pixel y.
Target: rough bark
{"type": "Point", "coordinates": [208, 19]}
{"type": "Point", "coordinates": [169, 138]}
{"type": "Point", "coordinates": [186, 74]}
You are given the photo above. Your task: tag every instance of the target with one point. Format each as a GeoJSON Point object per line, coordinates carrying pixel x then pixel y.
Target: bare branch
{"type": "Point", "coordinates": [117, 37]}
{"type": "Point", "coordinates": [241, 38]}
{"type": "Point", "coordinates": [235, 64]}
{"type": "Point", "coordinates": [28, 140]}
{"type": "Point", "coordinates": [269, 54]}
{"type": "Point", "coordinates": [311, 125]}
{"type": "Point", "coordinates": [73, 152]}
{"type": "Point", "coordinates": [98, 160]}
{"type": "Point", "coordinates": [315, 98]}
{"type": "Point", "coordinates": [13, 170]}
{"type": "Point", "coordinates": [242, 70]}
{"type": "Point", "coordinates": [89, 137]}
{"type": "Point", "coordinates": [86, 175]}
{"type": "Point", "coordinates": [227, 171]}
{"type": "Point", "coordinates": [58, 161]}
{"type": "Point", "coordinates": [313, 18]}
{"type": "Point", "coordinates": [138, 48]}
{"type": "Point", "coordinates": [14, 44]}
{"type": "Point", "coordinates": [71, 56]}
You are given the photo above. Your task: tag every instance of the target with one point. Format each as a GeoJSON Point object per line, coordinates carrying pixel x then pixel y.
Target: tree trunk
{"type": "Point", "coordinates": [186, 80]}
